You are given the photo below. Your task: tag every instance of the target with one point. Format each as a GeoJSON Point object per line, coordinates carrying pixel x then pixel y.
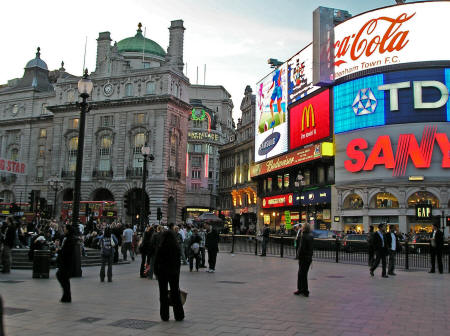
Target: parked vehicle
{"type": "Point", "coordinates": [355, 243]}
{"type": "Point", "coordinates": [324, 239]}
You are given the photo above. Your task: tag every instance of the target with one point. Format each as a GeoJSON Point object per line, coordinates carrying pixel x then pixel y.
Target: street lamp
{"type": "Point", "coordinates": [145, 150]}
{"type": "Point", "coordinates": [85, 87]}
{"type": "Point", "coordinates": [56, 185]}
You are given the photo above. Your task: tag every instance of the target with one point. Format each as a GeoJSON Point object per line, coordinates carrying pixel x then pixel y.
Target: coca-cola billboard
{"type": "Point", "coordinates": [390, 36]}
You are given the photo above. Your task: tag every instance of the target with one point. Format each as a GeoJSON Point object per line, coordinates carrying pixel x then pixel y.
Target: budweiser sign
{"type": "Point", "coordinates": [391, 35]}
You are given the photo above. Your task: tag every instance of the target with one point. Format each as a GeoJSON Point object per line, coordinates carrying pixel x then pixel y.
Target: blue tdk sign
{"type": "Point", "coordinates": [393, 98]}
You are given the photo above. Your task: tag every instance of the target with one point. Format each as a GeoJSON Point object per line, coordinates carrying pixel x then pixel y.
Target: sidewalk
{"type": "Point", "coordinates": [247, 295]}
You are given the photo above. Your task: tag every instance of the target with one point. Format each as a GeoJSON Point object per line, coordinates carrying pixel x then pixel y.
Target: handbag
{"type": "Point", "coordinates": [183, 297]}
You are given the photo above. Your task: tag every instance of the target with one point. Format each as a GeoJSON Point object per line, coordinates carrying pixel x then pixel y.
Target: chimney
{"type": "Point", "coordinates": [103, 49]}
{"type": "Point", "coordinates": [175, 50]}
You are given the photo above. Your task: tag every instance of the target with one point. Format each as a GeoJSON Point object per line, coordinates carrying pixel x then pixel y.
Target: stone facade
{"type": "Point", "coordinates": [138, 97]}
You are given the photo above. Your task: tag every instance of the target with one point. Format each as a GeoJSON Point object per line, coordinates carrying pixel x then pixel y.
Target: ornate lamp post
{"type": "Point", "coordinates": [145, 150]}
{"type": "Point", "coordinates": [56, 185]}
{"type": "Point", "coordinates": [85, 87]}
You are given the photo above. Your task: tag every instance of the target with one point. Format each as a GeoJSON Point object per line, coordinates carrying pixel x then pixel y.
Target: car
{"type": "Point", "coordinates": [355, 243]}
{"type": "Point", "coordinates": [324, 239]}
{"type": "Point", "coordinates": [323, 234]}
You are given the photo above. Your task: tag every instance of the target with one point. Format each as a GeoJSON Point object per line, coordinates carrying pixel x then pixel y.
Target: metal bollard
{"type": "Point", "coordinates": [281, 247]}
{"type": "Point", "coordinates": [232, 242]}
{"type": "Point", "coordinates": [337, 250]}
{"type": "Point", "coordinates": [406, 255]}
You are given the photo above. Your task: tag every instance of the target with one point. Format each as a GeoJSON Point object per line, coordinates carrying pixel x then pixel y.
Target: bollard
{"type": "Point", "coordinates": [232, 242]}
{"type": "Point", "coordinates": [406, 255]}
{"type": "Point", "coordinates": [337, 250]}
{"type": "Point", "coordinates": [281, 247]}
{"type": "Point", "coordinates": [256, 243]}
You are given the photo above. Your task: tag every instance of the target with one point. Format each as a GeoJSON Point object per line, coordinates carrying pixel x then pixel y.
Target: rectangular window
{"type": "Point", "coordinates": [320, 175]}
{"type": "Point", "coordinates": [146, 65]}
{"type": "Point", "coordinates": [196, 173]}
{"type": "Point", "coordinates": [307, 177]}
{"type": "Point", "coordinates": [41, 151]}
{"type": "Point", "coordinates": [196, 161]}
{"type": "Point", "coordinates": [150, 88]}
{"type": "Point", "coordinates": [269, 184]}
{"type": "Point", "coordinates": [210, 174]}
{"type": "Point", "coordinates": [330, 174]}
{"type": "Point", "coordinates": [107, 121]}
{"type": "Point", "coordinates": [197, 124]}
{"type": "Point", "coordinates": [44, 109]}
{"type": "Point", "coordinates": [286, 180]}
{"type": "Point", "coordinates": [197, 148]}
{"type": "Point", "coordinates": [195, 186]}
{"type": "Point", "coordinates": [264, 185]}
{"type": "Point", "coordinates": [43, 133]}
{"type": "Point", "coordinates": [139, 118]}
{"type": "Point", "coordinates": [74, 123]}
{"type": "Point", "coordinates": [40, 174]}
{"type": "Point", "coordinates": [280, 182]}
{"type": "Point", "coordinates": [210, 187]}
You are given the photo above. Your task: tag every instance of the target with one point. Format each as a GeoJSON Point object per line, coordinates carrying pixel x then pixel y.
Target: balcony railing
{"type": "Point", "coordinates": [102, 173]}
{"type": "Point", "coordinates": [67, 173]}
{"type": "Point", "coordinates": [135, 172]}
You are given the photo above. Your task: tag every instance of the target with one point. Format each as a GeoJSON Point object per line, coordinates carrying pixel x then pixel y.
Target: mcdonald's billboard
{"type": "Point", "coordinates": [310, 120]}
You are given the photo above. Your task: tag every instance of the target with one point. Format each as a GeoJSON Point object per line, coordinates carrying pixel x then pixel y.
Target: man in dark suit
{"type": "Point", "coordinates": [436, 244]}
{"type": "Point", "coordinates": [212, 244]}
{"type": "Point", "coordinates": [305, 254]}
{"type": "Point", "coordinates": [379, 245]}
{"type": "Point", "coordinates": [393, 246]}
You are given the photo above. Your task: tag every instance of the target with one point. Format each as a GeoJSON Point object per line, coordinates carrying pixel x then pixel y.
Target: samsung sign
{"type": "Point", "coordinates": [392, 98]}
{"type": "Point", "coordinates": [391, 35]}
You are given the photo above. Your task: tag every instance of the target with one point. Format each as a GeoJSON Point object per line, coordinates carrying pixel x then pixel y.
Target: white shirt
{"type": "Point", "coordinates": [128, 235]}
{"type": "Point", "coordinates": [394, 242]}
{"type": "Point", "coordinates": [183, 234]}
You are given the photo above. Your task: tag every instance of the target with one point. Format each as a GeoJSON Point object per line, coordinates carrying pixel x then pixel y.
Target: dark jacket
{"type": "Point", "coordinates": [266, 233]}
{"type": "Point", "coordinates": [154, 243]}
{"type": "Point", "coordinates": [388, 242]}
{"type": "Point", "coordinates": [167, 259]}
{"type": "Point", "coordinates": [378, 243]}
{"type": "Point", "coordinates": [438, 239]}
{"type": "Point", "coordinates": [10, 236]}
{"type": "Point", "coordinates": [145, 247]}
{"type": "Point", "coordinates": [212, 240]}
{"type": "Point", "coordinates": [66, 256]}
{"type": "Point", "coordinates": [305, 245]}
{"type": "Point", "coordinates": [195, 238]}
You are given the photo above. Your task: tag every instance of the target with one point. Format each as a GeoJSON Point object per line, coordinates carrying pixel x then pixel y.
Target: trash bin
{"type": "Point", "coordinates": [41, 264]}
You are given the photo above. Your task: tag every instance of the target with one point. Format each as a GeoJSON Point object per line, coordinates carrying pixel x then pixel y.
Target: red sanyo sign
{"type": "Point", "coordinates": [382, 152]}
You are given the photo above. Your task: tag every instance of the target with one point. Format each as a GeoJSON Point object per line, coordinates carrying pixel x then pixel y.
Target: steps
{"type": "Point", "coordinates": [20, 259]}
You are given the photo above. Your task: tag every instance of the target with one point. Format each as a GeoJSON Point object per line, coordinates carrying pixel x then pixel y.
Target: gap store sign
{"type": "Point", "coordinates": [397, 97]}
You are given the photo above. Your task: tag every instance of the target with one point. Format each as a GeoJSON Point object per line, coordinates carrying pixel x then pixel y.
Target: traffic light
{"type": "Point", "coordinates": [31, 199]}
{"type": "Point", "coordinates": [158, 214]}
{"type": "Point", "coordinates": [88, 210]}
{"type": "Point", "coordinates": [448, 221]}
{"type": "Point", "coordinates": [42, 204]}
{"type": "Point", "coordinates": [126, 205]}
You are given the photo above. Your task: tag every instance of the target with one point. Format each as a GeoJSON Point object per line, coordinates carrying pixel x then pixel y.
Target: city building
{"type": "Point", "coordinates": [140, 97]}
{"type": "Point", "coordinates": [238, 193]}
{"type": "Point", "coordinates": [210, 126]}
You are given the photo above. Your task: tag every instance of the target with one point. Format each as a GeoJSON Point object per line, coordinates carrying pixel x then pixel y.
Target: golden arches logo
{"type": "Point", "coordinates": [308, 113]}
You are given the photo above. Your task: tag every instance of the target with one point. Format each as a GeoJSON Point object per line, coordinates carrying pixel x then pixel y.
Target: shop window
{"type": "Point", "coordinates": [265, 185]}
{"type": "Point", "coordinates": [330, 174]}
{"type": "Point", "coordinates": [384, 200]}
{"type": "Point", "coordinates": [286, 180]}
{"type": "Point", "coordinates": [321, 175]}
{"type": "Point", "coordinates": [423, 197]}
{"type": "Point", "coordinates": [269, 184]}
{"type": "Point", "coordinates": [353, 201]}
{"type": "Point", "coordinates": [307, 177]}
{"type": "Point", "coordinates": [280, 182]}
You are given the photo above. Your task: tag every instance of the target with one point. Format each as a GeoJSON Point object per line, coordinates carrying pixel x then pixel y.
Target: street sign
{"type": "Point", "coordinates": [287, 217]}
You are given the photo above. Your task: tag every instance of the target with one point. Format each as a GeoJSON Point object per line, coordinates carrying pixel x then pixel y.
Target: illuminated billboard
{"type": "Point", "coordinates": [392, 35]}
{"type": "Point", "coordinates": [300, 75]}
{"type": "Point", "coordinates": [309, 121]}
{"type": "Point", "coordinates": [396, 97]}
{"type": "Point", "coordinates": [271, 115]}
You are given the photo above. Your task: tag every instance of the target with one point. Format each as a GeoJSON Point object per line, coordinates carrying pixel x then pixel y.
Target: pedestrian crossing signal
{"type": "Point", "coordinates": [448, 221]}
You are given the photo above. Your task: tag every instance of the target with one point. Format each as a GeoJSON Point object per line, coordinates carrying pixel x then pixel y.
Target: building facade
{"type": "Point", "coordinates": [238, 193]}
{"type": "Point", "coordinates": [210, 126]}
{"type": "Point", "coordinates": [140, 97]}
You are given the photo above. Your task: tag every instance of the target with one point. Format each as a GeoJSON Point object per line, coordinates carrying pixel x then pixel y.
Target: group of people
{"type": "Point", "coordinates": [383, 245]}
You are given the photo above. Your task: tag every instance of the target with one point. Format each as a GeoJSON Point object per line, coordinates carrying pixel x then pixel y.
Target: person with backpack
{"type": "Point", "coordinates": [107, 245]}
{"type": "Point", "coordinates": [194, 250]}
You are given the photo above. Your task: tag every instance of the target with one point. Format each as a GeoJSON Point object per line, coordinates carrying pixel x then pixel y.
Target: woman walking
{"type": "Point", "coordinates": [66, 255]}
{"type": "Point", "coordinates": [108, 244]}
{"type": "Point", "coordinates": [145, 249]}
{"type": "Point", "coordinates": [167, 269]}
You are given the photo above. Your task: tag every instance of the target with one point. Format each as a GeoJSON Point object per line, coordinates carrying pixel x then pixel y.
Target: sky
{"type": "Point", "coordinates": [233, 38]}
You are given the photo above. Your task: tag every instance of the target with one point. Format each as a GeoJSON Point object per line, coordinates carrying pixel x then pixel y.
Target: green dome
{"type": "Point", "coordinates": [139, 43]}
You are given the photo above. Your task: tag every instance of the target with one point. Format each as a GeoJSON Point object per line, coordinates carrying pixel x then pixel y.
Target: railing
{"type": "Point", "coordinates": [102, 173]}
{"type": "Point", "coordinates": [135, 172]}
{"type": "Point", "coordinates": [412, 256]}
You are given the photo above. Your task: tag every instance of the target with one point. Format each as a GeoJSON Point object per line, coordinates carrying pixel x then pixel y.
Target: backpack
{"type": "Point", "coordinates": [195, 248]}
{"type": "Point", "coordinates": [107, 246]}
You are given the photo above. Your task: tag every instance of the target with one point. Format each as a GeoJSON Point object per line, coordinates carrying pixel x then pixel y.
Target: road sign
{"type": "Point", "coordinates": [287, 218]}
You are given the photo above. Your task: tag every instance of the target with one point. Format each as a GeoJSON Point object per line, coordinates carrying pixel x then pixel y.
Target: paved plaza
{"type": "Point", "coordinates": [247, 295]}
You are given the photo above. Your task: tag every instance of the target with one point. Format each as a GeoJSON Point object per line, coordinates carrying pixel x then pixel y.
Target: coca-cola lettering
{"type": "Point", "coordinates": [366, 41]}
{"type": "Point", "coordinates": [407, 148]}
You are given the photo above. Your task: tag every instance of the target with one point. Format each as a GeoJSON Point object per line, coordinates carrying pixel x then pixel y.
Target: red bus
{"type": "Point", "coordinates": [5, 210]}
{"type": "Point", "coordinates": [103, 211]}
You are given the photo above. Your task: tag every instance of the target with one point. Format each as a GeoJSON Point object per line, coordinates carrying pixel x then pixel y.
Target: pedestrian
{"type": "Point", "coordinates": [194, 250]}
{"type": "Point", "coordinates": [167, 269]}
{"type": "Point", "coordinates": [305, 254]}
{"type": "Point", "coordinates": [2, 330]}
{"type": "Point", "coordinates": [66, 255]}
{"type": "Point", "coordinates": [393, 246]}
{"type": "Point", "coordinates": [182, 232]}
{"type": "Point", "coordinates": [436, 246]}
{"type": "Point", "coordinates": [212, 244]}
{"type": "Point", "coordinates": [9, 237]}
{"type": "Point", "coordinates": [180, 242]}
{"type": "Point", "coordinates": [108, 243]}
{"type": "Point", "coordinates": [379, 245]}
{"type": "Point", "coordinates": [202, 234]}
{"type": "Point", "coordinates": [144, 249]}
{"type": "Point", "coordinates": [187, 241]}
{"type": "Point", "coordinates": [370, 240]}
{"type": "Point", "coordinates": [127, 243]}
{"type": "Point", "coordinates": [265, 241]}
{"type": "Point", "coordinates": [298, 231]}
{"type": "Point", "coordinates": [154, 244]}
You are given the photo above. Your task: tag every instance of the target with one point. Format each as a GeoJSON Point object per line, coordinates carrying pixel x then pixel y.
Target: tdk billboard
{"type": "Point", "coordinates": [397, 97]}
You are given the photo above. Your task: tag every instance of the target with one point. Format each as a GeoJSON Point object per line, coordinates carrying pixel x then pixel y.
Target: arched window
{"type": "Point", "coordinates": [353, 201]}
{"type": "Point", "coordinates": [104, 163]}
{"type": "Point", "coordinates": [150, 88]}
{"type": "Point", "coordinates": [423, 197]}
{"type": "Point", "coordinates": [73, 148]}
{"type": "Point", "coordinates": [129, 90]}
{"type": "Point", "coordinates": [383, 200]}
{"type": "Point", "coordinates": [139, 141]}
